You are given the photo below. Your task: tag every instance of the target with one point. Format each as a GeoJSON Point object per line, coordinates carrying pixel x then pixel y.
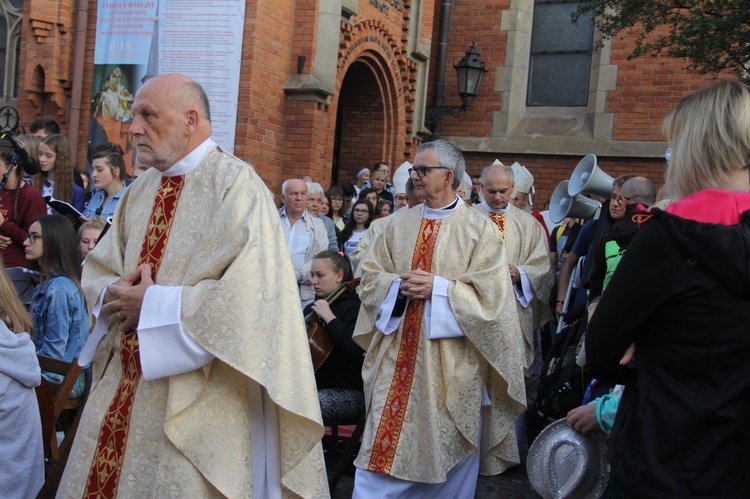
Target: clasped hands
{"type": "Point", "coordinates": [417, 284]}
{"type": "Point", "coordinates": [124, 298]}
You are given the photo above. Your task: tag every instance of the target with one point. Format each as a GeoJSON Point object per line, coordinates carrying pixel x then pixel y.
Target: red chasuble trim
{"type": "Point", "coordinates": [104, 475]}
{"type": "Point", "coordinates": [392, 419]}
{"type": "Point", "coordinates": [499, 220]}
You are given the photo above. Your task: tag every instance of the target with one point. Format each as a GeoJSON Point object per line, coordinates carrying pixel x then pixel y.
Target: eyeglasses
{"type": "Point", "coordinates": [421, 171]}
{"type": "Point", "coordinates": [668, 154]}
{"type": "Point", "coordinates": [33, 236]}
{"type": "Point", "coordinates": [618, 199]}
{"type": "Point", "coordinates": [362, 211]}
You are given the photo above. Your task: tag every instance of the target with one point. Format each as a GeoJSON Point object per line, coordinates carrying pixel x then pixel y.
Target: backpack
{"type": "Point", "coordinates": [561, 383]}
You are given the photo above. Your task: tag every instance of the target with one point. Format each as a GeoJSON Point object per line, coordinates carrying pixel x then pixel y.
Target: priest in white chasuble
{"type": "Point", "coordinates": [527, 249]}
{"type": "Point", "coordinates": [443, 372]}
{"type": "Point", "coordinates": [202, 377]}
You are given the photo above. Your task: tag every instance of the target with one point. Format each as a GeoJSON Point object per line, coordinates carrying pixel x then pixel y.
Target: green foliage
{"type": "Point", "coordinates": [713, 35]}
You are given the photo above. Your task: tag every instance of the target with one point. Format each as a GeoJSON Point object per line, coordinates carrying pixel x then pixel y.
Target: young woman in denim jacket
{"type": "Point", "coordinates": [58, 308]}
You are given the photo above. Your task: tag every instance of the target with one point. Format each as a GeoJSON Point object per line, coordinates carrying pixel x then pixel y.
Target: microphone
{"type": "Point", "coordinates": [22, 157]}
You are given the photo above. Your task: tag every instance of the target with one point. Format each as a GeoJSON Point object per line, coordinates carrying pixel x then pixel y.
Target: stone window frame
{"type": "Point", "coordinates": [512, 83]}
{"type": "Point", "coordinates": [13, 17]}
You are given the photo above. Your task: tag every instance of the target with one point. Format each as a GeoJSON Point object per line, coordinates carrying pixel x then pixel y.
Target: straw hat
{"type": "Point", "coordinates": [563, 463]}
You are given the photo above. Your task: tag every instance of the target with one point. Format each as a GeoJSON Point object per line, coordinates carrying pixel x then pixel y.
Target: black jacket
{"type": "Point", "coordinates": [681, 293]}
{"type": "Point", "coordinates": [343, 367]}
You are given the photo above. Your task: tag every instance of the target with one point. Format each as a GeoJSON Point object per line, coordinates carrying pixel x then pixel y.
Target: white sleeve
{"type": "Point", "coordinates": [524, 291]}
{"type": "Point", "coordinates": [101, 327]}
{"type": "Point", "coordinates": [386, 323]}
{"type": "Point", "coordinates": [439, 318]}
{"type": "Point", "coordinates": [166, 348]}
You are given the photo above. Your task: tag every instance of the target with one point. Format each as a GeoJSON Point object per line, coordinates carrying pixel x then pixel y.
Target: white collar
{"type": "Point", "coordinates": [444, 212]}
{"type": "Point", "coordinates": [495, 210]}
{"type": "Point", "coordinates": [191, 161]}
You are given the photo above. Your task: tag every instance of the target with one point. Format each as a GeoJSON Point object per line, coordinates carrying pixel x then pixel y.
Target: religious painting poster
{"type": "Point", "coordinates": [139, 40]}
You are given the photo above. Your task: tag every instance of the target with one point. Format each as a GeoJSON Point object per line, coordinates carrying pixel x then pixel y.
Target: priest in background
{"type": "Point", "coordinates": [526, 249]}
{"type": "Point", "coordinates": [443, 373]}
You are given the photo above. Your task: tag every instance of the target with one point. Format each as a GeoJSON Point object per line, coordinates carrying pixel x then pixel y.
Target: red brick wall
{"type": "Point", "coordinates": [265, 66]}
{"type": "Point", "coordinates": [471, 21]}
{"type": "Point", "coordinates": [647, 89]}
{"type": "Point", "coordinates": [45, 62]}
{"type": "Point", "coordinates": [282, 138]}
{"type": "Point", "coordinates": [548, 171]}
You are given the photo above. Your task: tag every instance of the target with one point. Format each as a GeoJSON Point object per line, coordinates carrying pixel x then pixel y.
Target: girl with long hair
{"type": "Point", "coordinates": [342, 368]}
{"type": "Point", "coordinates": [22, 472]}
{"type": "Point", "coordinates": [362, 215]}
{"type": "Point", "coordinates": [58, 308]}
{"type": "Point", "coordinates": [56, 176]}
{"type": "Point", "coordinates": [20, 204]}
{"type": "Point", "coordinates": [109, 180]}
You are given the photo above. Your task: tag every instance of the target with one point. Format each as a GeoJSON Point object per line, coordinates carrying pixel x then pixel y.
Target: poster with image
{"type": "Point", "coordinates": [139, 40]}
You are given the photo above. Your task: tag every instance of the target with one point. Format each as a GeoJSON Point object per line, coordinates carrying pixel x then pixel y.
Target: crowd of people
{"type": "Point", "coordinates": [440, 294]}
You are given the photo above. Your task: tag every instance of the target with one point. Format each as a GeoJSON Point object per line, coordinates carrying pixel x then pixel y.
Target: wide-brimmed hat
{"type": "Point", "coordinates": [563, 463]}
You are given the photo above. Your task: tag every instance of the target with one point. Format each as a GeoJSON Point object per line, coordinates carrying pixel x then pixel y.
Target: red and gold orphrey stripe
{"type": "Point", "coordinates": [104, 475]}
{"type": "Point", "coordinates": [392, 418]}
{"type": "Point", "coordinates": [499, 220]}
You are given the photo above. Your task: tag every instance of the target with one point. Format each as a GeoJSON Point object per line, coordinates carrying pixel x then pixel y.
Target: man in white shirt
{"type": "Point", "coordinates": [306, 235]}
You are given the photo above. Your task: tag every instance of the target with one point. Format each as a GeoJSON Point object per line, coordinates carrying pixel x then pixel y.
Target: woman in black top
{"type": "Point", "coordinates": [343, 367]}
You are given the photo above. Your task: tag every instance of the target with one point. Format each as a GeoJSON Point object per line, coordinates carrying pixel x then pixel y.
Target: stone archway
{"type": "Point", "coordinates": [373, 90]}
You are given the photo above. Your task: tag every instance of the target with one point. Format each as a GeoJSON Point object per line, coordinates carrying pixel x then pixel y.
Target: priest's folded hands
{"type": "Point", "coordinates": [417, 284]}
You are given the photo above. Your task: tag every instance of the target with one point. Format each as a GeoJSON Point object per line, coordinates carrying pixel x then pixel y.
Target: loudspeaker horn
{"type": "Point", "coordinates": [588, 178]}
{"type": "Point", "coordinates": [563, 205]}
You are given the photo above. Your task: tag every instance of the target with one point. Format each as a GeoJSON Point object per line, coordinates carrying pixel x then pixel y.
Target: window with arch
{"type": "Point", "coordinates": [11, 13]}
{"type": "Point", "coordinates": [560, 61]}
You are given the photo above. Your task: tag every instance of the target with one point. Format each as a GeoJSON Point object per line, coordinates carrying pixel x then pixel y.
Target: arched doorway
{"type": "Point", "coordinates": [372, 101]}
{"type": "Point", "coordinates": [361, 123]}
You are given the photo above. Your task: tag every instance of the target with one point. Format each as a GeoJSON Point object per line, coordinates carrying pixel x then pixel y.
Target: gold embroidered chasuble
{"type": "Point", "coordinates": [423, 413]}
{"type": "Point", "coordinates": [189, 433]}
{"type": "Point", "coordinates": [375, 229]}
{"type": "Point", "coordinates": [527, 247]}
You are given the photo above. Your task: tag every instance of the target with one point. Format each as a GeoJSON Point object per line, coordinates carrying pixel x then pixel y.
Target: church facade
{"type": "Point", "coordinates": [330, 86]}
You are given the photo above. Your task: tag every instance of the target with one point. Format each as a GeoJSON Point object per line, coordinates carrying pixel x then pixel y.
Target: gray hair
{"type": "Point", "coordinates": [314, 188]}
{"type": "Point", "coordinates": [196, 92]}
{"type": "Point", "coordinates": [486, 171]}
{"type": "Point", "coordinates": [448, 156]}
{"type": "Point", "coordinates": [286, 184]}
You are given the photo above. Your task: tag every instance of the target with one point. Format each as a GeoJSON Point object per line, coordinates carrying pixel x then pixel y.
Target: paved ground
{"type": "Point", "coordinates": [513, 484]}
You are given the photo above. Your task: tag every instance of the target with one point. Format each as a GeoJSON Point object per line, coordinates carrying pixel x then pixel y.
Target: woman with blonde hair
{"type": "Point", "coordinates": [676, 310]}
{"type": "Point", "coordinates": [56, 176]}
{"type": "Point", "coordinates": [21, 449]}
